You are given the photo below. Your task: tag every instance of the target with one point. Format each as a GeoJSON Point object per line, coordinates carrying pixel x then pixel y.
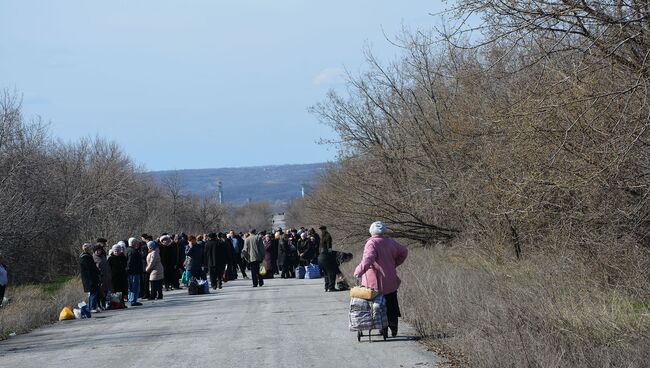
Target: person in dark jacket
{"type": "Point", "coordinates": [329, 262]}
{"type": "Point", "coordinates": [274, 254]}
{"type": "Point", "coordinates": [286, 255]}
{"type": "Point", "coordinates": [145, 287]}
{"type": "Point", "coordinates": [119, 277]}
{"type": "Point", "coordinates": [89, 276]}
{"type": "Point", "coordinates": [169, 258]}
{"type": "Point", "coordinates": [180, 243]}
{"type": "Point", "coordinates": [195, 252]}
{"type": "Point", "coordinates": [325, 239]}
{"type": "Point", "coordinates": [218, 257]}
{"type": "Point", "coordinates": [314, 238]}
{"type": "Point", "coordinates": [305, 249]}
{"type": "Point", "coordinates": [106, 278]}
{"type": "Point", "coordinates": [134, 269]}
{"type": "Point", "coordinates": [237, 245]}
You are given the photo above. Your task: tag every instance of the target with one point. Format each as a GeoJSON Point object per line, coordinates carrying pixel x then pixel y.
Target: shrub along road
{"type": "Point", "coordinates": [285, 323]}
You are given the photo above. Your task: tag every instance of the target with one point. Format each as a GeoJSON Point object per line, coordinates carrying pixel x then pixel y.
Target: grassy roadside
{"type": "Point", "coordinates": [539, 312]}
{"type": "Point", "coordinates": [33, 306]}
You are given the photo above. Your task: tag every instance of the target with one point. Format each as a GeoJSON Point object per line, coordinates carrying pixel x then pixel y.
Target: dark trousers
{"type": "Point", "coordinates": [255, 273]}
{"type": "Point", "coordinates": [171, 278]}
{"type": "Point", "coordinates": [216, 275]}
{"type": "Point", "coordinates": [330, 278]}
{"type": "Point", "coordinates": [2, 292]}
{"type": "Point", "coordinates": [286, 271]}
{"type": "Point", "coordinates": [329, 268]}
{"type": "Point", "coordinates": [392, 310]}
{"type": "Point", "coordinates": [156, 289]}
{"type": "Point", "coordinates": [144, 286]}
{"type": "Point", "coordinates": [242, 267]}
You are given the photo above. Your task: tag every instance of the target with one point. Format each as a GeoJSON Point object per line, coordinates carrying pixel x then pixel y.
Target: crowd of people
{"type": "Point", "coordinates": [140, 268]}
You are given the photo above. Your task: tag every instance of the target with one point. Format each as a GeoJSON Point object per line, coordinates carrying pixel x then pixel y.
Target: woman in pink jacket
{"type": "Point", "coordinates": [378, 269]}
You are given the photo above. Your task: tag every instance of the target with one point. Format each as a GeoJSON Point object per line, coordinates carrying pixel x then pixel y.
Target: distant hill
{"type": "Point", "coordinates": [277, 183]}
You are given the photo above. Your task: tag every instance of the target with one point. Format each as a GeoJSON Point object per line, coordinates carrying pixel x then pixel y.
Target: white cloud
{"type": "Point", "coordinates": [328, 76]}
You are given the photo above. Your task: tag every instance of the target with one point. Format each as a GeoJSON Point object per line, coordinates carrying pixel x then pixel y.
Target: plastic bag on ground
{"type": "Point", "coordinates": [85, 311]}
{"type": "Point", "coordinates": [66, 314]}
{"type": "Point", "coordinates": [117, 300]}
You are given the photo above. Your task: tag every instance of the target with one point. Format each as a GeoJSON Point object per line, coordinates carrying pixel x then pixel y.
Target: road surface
{"type": "Point", "coordinates": [285, 323]}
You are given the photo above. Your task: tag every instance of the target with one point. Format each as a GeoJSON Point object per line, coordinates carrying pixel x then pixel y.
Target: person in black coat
{"type": "Point", "coordinates": [89, 276]}
{"type": "Point", "coordinates": [144, 276]}
{"type": "Point", "coordinates": [286, 255]}
{"type": "Point", "coordinates": [119, 277]}
{"type": "Point", "coordinates": [180, 245]}
{"type": "Point", "coordinates": [237, 243]}
{"type": "Point", "coordinates": [169, 259]}
{"type": "Point", "coordinates": [218, 257]}
{"type": "Point", "coordinates": [134, 269]}
{"type": "Point", "coordinates": [305, 250]}
{"type": "Point", "coordinates": [329, 262]}
{"type": "Point", "coordinates": [195, 252]}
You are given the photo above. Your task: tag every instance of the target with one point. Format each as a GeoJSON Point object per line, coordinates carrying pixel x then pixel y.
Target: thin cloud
{"type": "Point", "coordinates": [328, 76]}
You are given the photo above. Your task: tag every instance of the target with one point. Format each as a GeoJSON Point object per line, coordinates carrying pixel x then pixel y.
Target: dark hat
{"type": "Point", "coordinates": [323, 227]}
{"type": "Point", "coordinates": [102, 240]}
{"type": "Point", "coordinates": [253, 231]}
{"type": "Point", "coordinates": [97, 247]}
{"type": "Point", "coordinates": [212, 235]}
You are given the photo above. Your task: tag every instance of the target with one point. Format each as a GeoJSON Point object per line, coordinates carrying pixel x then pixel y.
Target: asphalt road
{"type": "Point", "coordinates": [285, 323]}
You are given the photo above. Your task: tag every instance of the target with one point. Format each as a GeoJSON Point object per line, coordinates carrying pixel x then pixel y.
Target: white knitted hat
{"type": "Point", "coordinates": [377, 228]}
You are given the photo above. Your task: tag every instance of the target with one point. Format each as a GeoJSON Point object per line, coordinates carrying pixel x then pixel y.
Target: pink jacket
{"type": "Point", "coordinates": [377, 269]}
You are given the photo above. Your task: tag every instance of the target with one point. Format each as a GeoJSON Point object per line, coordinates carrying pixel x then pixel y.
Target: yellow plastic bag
{"type": "Point", "coordinates": [262, 270]}
{"type": "Point", "coordinates": [66, 314]}
{"type": "Point", "coordinates": [363, 293]}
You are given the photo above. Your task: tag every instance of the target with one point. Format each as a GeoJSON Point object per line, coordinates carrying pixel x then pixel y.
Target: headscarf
{"type": "Point", "coordinates": [377, 228]}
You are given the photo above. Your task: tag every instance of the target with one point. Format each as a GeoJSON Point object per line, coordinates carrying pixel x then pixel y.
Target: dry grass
{"type": "Point", "coordinates": [539, 312]}
{"type": "Point", "coordinates": [36, 305]}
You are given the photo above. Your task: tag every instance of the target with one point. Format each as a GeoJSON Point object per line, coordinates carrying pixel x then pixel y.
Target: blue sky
{"type": "Point", "coordinates": [194, 84]}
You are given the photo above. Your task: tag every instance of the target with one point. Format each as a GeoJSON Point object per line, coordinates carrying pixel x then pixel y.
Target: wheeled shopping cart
{"type": "Point", "coordinates": [369, 315]}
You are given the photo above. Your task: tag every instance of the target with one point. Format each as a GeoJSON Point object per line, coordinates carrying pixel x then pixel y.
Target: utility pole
{"type": "Point", "coordinates": [220, 191]}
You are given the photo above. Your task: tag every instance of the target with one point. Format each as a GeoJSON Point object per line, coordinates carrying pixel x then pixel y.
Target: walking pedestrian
{"type": "Point", "coordinates": [378, 269]}
{"type": "Point", "coordinates": [254, 253]}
